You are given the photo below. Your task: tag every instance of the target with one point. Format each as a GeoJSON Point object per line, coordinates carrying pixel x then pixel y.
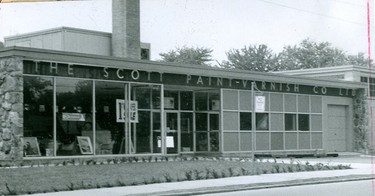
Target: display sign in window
{"type": "Point", "coordinates": [121, 114]}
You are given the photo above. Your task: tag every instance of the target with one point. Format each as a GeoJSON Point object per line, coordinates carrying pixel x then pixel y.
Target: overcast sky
{"type": "Point", "coordinates": [217, 24]}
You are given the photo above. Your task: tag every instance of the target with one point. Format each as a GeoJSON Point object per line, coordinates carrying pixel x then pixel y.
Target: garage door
{"type": "Point", "coordinates": [337, 128]}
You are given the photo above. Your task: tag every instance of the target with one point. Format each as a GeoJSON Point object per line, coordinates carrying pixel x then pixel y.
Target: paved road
{"type": "Point", "coordinates": [352, 188]}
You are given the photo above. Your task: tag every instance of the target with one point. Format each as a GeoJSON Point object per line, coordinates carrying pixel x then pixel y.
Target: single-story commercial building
{"type": "Point", "coordinates": [65, 93]}
{"type": "Point", "coordinates": [61, 101]}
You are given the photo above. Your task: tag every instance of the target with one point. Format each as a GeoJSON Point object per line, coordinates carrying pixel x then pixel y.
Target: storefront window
{"type": "Point", "coordinates": [262, 121]}
{"type": "Point", "coordinates": [38, 116]}
{"type": "Point", "coordinates": [201, 141]}
{"type": "Point", "coordinates": [142, 94]}
{"type": "Point", "coordinates": [142, 131]}
{"type": "Point", "coordinates": [245, 120]}
{"type": "Point", "coordinates": [201, 122]}
{"type": "Point", "coordinates": [290, 122]}
{"type": "Point", "coordinates": [201, 101]}
{"type": "Point", "coordinates": [303, 122]}
{"type": "Point", "coordinates": [214, 132]}
{"type": "Point", "coordinates": [171, 100]}
{"type": "Point", "coordinates": [155, 97]}
{"type": "Point", "coordinates": [172, 132]}
{"type": "Point", "coordinates": [201, 126]}
{"type": "Point", "coordinates": [156, 135]}
{"type": "Point", "coordinates": [186, 100]}
{"type": "Point", "coordinates": [145, 132]}
{"type": "Point", "coordinates": [110, 127]}
{"type": "Point", "coordinates": [187, 135]}
{"type": "Point", "coordinates": [74, 117]}
{"type": "Point", "coordinates": [214, 100]}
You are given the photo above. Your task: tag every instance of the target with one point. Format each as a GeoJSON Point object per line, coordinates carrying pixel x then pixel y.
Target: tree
{"type": "Point", "coordinates": [358, 59]}
{"type": "Point", "coordinates": [309, 54]}
{"type": "Point", "coordinates": [253, 57]}
{"type": "Point", "coordinates": [188, 55]}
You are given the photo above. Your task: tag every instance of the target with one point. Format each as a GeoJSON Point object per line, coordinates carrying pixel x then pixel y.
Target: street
{"type": "Point", "coordinates": [357, 188]}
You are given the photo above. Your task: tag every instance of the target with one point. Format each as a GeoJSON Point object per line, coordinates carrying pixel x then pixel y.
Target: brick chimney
{"type": "Point", "coordinates": [126, 29]}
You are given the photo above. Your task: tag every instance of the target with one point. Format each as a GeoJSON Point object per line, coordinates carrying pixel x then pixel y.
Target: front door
{"type": "Point", "coordinates": [337, 128]}
{"type": "Point", "coordinates": [172, 132]}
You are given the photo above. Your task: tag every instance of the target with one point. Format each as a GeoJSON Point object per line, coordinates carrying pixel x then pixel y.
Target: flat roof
{"type": "Point", "coordinates": [164, 67]}
{"type": "Point", "coordinates": [57, 29]}
{"type": "Point", "coordinates": [334, 69]}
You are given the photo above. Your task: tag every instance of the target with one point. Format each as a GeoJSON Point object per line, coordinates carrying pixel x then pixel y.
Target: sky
{"type": "Point", "coordinates": [221, 25]}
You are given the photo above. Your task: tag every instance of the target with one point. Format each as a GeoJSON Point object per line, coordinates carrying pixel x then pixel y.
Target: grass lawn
{"type": "Point", "coordinates": [61, 178]}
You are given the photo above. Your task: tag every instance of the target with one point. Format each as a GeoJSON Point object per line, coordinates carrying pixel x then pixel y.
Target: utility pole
{"type": "Point", "coordinates": [253, 127]}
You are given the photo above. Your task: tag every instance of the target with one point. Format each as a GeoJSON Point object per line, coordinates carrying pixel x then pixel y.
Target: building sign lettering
{"type": "Point", "coordinates": [135, 75]}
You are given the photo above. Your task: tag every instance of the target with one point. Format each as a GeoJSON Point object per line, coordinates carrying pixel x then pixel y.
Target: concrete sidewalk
{"type": "Point", "coordinates": [362, 170]}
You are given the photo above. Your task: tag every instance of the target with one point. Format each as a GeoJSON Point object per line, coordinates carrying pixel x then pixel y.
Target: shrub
{"type": "Point", "coordinates": [197, 174]}
{"type": "Point", "coordinates": [189, 175]}
{"type": "Point", "coordinates": [120, 183]}
{"type": "Point", "coordinates": [208, 173]}
{"type": "Point", "coordinates": [231, 172]}
{"type": "Point", "coordinates": [277, 168]}
{"type": "Point", "coordinates": [244, 172]}
{"type": "Point", "coordinates": [167, 177]}
{"type": "Point", "coordinates": [215, 174]}
{"type": "Point", "coordinates": [154, 180]}
{"type": "Point", "coordinates": [10, 191]}
{"type": "Point", "coordinates": [70, 186]}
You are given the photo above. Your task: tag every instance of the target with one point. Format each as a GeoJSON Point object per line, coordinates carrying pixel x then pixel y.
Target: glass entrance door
{"type": "Point", "coordinates": [172, 132]}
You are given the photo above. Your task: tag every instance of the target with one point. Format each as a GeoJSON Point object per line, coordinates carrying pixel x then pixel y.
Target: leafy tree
{"type": "Point", "coordinates": [253, 57]}
{"type": "Point", "coordinates": [188, 55]}
{"type": "Point", "coordinates": [309, 54]}
{"type": "Point", "coordinates": [358, 59]}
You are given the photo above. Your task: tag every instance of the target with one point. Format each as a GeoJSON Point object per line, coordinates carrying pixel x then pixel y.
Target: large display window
{"type": "Point", "coordinates": [38, 116]}
{"type": "Point", "coordinates": [110, 127]}
{"type": "Point", "coordinates": [74, 117]}
{"type": "Point", "coordinates": [146, 130]}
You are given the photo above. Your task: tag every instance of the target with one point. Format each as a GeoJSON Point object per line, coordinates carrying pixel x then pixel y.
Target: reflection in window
{"type": "Point", "coordinates": [262, 121]}
{"type": "Point", "coordinates": [146, 134]}
{"type": "Point", "coordinates": [171, 100]}
{"type": "Point", "coordinates": [214, 132]}
{"type": "Point", "coordinates": [201, 121]}
{"type": "Point", "coordinates": [201, 101]}
{"type": "Point", "coordinates": [245, 120]}
{"type": "Point", "coordinates": [214, 101]}
{"type": "Point", "coordinates": [156, 97]}
{"type": "Point", "coordinates": [142, 131]}
{"type": "Point", "coordinates": [186, 100]}
{"type": "Point", "coordinates": [74, 115]}
{"type": "Point", "coordinates": [156, 125]}
{"type": "Point", "coordinates": [142, 94]}
{"type": "Point", "coordinates": [290, 122]}
{"type": "Point", "coordinates": [187, 136]}
{"type": "Point", "coordinates": [110, 137]}
{"type": "Point", "coordinates": [214, 141]}
{"type": "Point", "coordinates": [303, 122]}
{"type": "Point", "coordinates": [201, 141]}
{"type": "Point", "coordinates": [38, 114]}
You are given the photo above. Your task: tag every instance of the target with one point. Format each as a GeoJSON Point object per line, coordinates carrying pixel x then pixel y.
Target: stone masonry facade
{"type": "Point", "coordinates": [361, 122]}
{"type": "Point", "coordinates": [11, 110]}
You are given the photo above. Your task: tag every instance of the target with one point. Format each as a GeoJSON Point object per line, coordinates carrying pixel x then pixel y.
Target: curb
{"type": "Point", "coordinates": [255, 186]}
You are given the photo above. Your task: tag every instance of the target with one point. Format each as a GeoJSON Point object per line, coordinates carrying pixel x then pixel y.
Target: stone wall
{"type": "Point", "coordinates": [11, 110]}
{"type": "Point", "coordinates": [361, 122]}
